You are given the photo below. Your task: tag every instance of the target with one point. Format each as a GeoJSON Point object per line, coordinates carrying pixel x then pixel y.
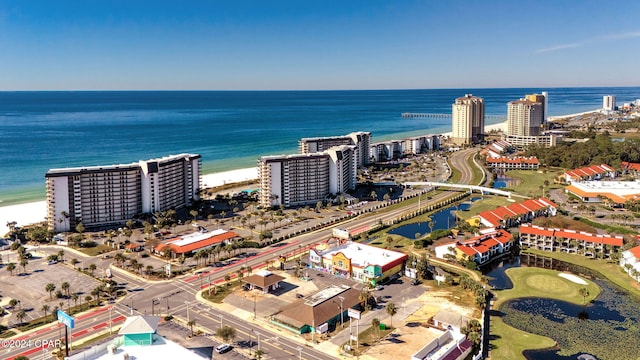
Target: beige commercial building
{"type": "Point", "coordinates": [101, 196]}
{"type": "Point", "coordinates": [524, 117]}
{"type": "Point", "coordinates": [467, 120]}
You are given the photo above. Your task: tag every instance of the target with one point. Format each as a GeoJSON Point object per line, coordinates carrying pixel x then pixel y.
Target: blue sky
{"type": "Point", "coordinates": [236, 45]}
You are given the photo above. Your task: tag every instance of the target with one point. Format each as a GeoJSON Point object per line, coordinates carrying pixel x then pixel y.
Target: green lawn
{"type": "Point", "coordinates": [488, 203]}
{"type": "Point", "coordinates": [532, 180]}
{"type": "Point", "coordinates": [612, 271]}
{"type": "Point", "coordinates": [508, 342]}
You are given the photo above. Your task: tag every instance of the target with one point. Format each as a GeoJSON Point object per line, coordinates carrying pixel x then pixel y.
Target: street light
{"type": "Point", "coordinates": [254, 306]}
{"type": "Point", "coordinates": [341, 298]}
{"type": "Point", "coordinates": [300, 353]}
{"type": "Point", "coordinates": [188, 318]}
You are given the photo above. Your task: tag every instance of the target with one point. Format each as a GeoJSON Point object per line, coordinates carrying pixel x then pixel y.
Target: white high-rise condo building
{"type": "Point", "coordinates": [305, 179]}
{"type": "Point", "coordinates": [360, 139]}
{"type": "Point", "coordinates": [524, 118]}
{"type": "Point", "coordinates": [467, 120]}
{"type": "Point", "coordinates": [609, 102]}
{"type": "Point", "coordinates": [102, 196]}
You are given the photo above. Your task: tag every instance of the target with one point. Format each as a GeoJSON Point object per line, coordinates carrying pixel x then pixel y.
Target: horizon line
{"type": "Point", "coordinates": [310, 90]}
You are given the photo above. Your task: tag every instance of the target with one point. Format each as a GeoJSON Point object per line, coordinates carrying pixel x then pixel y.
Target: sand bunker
{"type": "Point", "coordinates": [573, 278]}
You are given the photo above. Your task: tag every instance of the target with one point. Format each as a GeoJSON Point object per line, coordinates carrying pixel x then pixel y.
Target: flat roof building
{"type": "Point", "coordinates": [360, 139]}
{"type": "Point", "coordinates": [304, 179]}
{"type": "Point", "coordinates": [524, 118]}
{"type": "Point", "coordinates": [467, 120]}
{"type": "Point", "coordinates": [102, 196]}
{"type": "Point", "coordinates": [617, 192]}
{"type": "Point", "coordinates": [365, 263]}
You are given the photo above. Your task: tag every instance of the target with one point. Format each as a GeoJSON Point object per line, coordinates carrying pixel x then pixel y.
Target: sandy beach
{"type": "Point", "coordinates": [34, 212]}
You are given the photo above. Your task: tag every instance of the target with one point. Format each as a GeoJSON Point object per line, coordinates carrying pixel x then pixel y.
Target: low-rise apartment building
{"type": "Point", "coordinates": [630, 262]}
{"type": "Point", "coordinates": [480, 249]}
{"type": "Point", "coordinates": [569, 241]}
{"type": "Point", "coordinates": [517, 213]}
{"type": "Point", "coordinates": [514, 163]}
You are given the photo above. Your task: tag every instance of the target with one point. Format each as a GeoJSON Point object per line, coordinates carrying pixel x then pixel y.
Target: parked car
{"type": "Point", "coordinates": [223, 348]}
{"type": "Point", "coordinates": [52, 262]}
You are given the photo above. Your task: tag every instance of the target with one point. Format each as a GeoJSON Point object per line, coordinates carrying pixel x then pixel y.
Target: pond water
{"type": "Point", "coordinates": [443, 219]}
{"type": "Point", "coordinates": [501, 182]}
{"type": "Point", "coordinates": [606, 328]}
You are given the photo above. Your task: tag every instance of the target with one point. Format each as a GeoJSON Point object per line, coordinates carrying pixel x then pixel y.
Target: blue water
{"type": "Point", "coordinates": [230, 129]}
{"type": "Point", "coordinates": [443, 219]}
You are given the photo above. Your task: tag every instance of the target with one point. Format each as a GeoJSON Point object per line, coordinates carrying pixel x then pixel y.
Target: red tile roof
{"type": "Point", "coordinates": [630, 166]}
{"type": "Point", "coordinates": [571, 235]}
{"type": "Point", "coordinates": [516, 160]}
{"type": "Point", "coordinates": [588, 171]}
{"type": "Point", "coordinates": [496, 215]}
{"type": "Point", "coordinates": [214, 239]}
{"type": "Point", "coordinates": [635, 251]}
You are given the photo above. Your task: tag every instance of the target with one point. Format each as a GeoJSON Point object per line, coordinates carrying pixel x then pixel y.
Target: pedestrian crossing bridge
{"type": "Point", "coordinates": [480, 189]}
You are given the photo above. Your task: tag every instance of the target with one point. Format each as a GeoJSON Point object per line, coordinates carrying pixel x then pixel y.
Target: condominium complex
{"type": "Point", "coordinates": [394, 149]}
{"type": "Point", "coordinates": [303, 179]}
{"type": "Point", "coordinates": [524, 117]}
{"type": "Point", "coordinates": [361, 140]}
{"type": "Point", "coordinates": [609, 102]}
{"type": "Point", "coordinates": [467, 120]}
{"type": "Point", "coordinates": [100, 196]}
{"type": "Point", "coordinates": [543, 100]}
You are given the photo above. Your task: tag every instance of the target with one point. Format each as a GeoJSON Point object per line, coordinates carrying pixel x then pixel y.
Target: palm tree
{"type": "Point", "coordinates": [74, 262]}
{"type": "Point", "coordinates": [45, 309]}
{"type": "Point", "coordinates": [50, 287]}
{"type": "Point", "coordinates": [75, 297]}
{"type": "Point", "coordinates": [24, 262]}
{"type": "Point", "coordinates": [584, 293]}
{"type": "Point", "coordinates": [88, 299]}
{"type": "Point", "coordinates": [11, 267]}
{"type": "Point", "coordinates": [20, 315]}
{"type": "Point", "coordinates": [65, 287]}
{"type": "Point", "coordinates": [61, 255]}
{"type": "Point", "coordinates": [190, 324]}
{"type": "Point", "coordinates": [391, 310]}
{"type": "Point", "coordinates": [92, 268]}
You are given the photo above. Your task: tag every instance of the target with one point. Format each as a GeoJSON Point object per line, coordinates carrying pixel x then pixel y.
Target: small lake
{"type": "Point", "coordinates": [606, 328]}
{"type": "Point", "coordinates": [501, 182]}
{"type": "Point", "coordinates": [443, 219]}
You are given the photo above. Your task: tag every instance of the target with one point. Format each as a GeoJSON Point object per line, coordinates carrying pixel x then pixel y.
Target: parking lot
{"type": "Point", "coordinates": [29, 287]}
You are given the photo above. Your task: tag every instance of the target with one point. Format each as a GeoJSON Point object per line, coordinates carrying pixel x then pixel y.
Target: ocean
{"type": "Point", "coordinates": [230, 129]}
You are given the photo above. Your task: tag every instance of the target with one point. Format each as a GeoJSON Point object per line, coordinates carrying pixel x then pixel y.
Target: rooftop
{"type": "Point", "coordinates": [362, 255]}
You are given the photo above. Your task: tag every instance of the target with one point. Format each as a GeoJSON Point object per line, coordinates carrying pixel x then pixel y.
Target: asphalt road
{"type": "Point", "coordinates": [176, 296]}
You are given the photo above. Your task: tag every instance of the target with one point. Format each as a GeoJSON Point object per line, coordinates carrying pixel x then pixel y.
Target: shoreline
{"type": "Point", "coordinates": [35, 211]}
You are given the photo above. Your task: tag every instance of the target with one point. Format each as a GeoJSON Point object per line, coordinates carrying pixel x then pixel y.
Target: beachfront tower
{"type": "Point", "coordinates": [360, 139]}
{"type": "Point", "coordinates": [609, 102]}
{"type": "Point", "coordinates": [524, 118]}
{"type": "Point", "coordinates": [305, 179]}
{"type": "Point", "coordinates": [105, 196]}
{"type": "Point", "coordinates": [542, 99]}
{"type": "Point", "coordinates": [467, 120]}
